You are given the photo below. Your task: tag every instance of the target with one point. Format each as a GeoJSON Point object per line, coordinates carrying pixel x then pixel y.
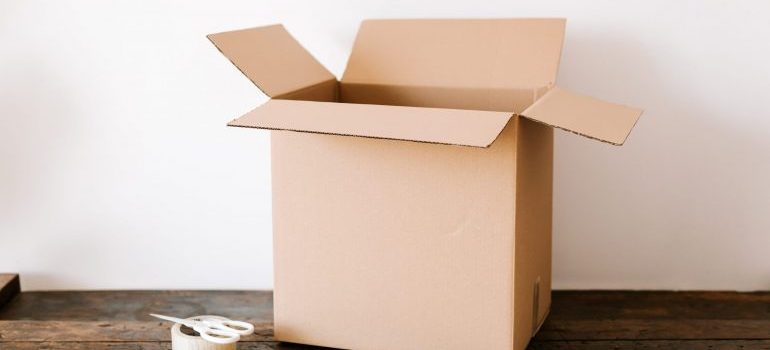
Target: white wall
{"type": "Point", "coordinates": [116, 169]}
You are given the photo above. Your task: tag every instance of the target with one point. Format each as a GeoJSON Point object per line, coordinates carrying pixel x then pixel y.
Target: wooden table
{"type": "Point", "coordinates": [578, 320]}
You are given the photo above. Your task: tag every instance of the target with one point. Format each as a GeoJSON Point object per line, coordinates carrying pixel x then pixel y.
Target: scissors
{"type": "Point", "coordinates": [215, 329]}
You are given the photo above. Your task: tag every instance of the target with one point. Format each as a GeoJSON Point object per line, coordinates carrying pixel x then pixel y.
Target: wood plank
{"type": "Point", "coordinates": [122, 331]}
{"type": "Point", "coordinates": [575, 305]}
{"type": "Point", "coordinates": [104, 331]}
{"type": "Point", "coordinates": [552, 345]}
{"type": "Point", "coordinates": [579, 319]}
{"type": "Point", "coordinates": [651, 345]}
{"type": "Point", "coordinates": [137, 305]}
{"type": "Point", "coordinates": [131, 346]}
{"type": "Point", "coordinates": [9, 287]}
{"type": "Point", "coordinates": [659, 305]}
{"type": "Point", "coordinates": [632, 329]}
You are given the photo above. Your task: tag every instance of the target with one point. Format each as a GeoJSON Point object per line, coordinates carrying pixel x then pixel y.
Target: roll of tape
{"type": "Point", "coordinates": [192, 341]}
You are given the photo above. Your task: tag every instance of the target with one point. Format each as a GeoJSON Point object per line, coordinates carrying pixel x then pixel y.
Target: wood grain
{"type": "Point", "coordinates": [656, 305]}
{"type": "Point", "coordinates": [104, 331]}
{"type": "Point", "coordinates": [579, 319]}
{"type": "Point", "coordinates": [559, 345]}
{"type": "Point", "coordinates": [610, 329]}
{"type": "Point", "coordinates": [133, 346]}
{"type": "Point", "coordinates": [137, 305]}
{"type": "Point", "coordinates": [652, 345]}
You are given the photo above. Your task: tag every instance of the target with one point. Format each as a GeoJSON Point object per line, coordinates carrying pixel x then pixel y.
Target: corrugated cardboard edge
{"type": "Point", "coordinates": [577, 133]}
{"type": "Point", "coordinates": [208, 36]}
{"type": "Point", "coordinates": [590, 107]}
{"type": "Point", "coordinates": [366, 137]}
{"type": "Point", "coordinates": [272, 34]}
{"type": "Point", "coordinates": [266, 116]}
{"type": "Point", "coordinates": [582, 134]}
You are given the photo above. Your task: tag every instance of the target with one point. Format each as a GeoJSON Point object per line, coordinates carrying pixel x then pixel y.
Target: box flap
{"type": "Point", "coordinates": [584, 115]}
{"type": "Point", "coordinates": [433, 125]}
{"type": "Point", "coordinates": [474, 53]}
{"type": "Point", "coordinates": [272, 59]}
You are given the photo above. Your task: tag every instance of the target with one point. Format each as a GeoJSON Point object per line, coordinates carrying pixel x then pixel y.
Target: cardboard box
{"type": "Point", "coordinates": [412, 198]}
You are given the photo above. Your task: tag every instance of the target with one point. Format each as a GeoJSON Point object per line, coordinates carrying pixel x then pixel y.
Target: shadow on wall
{"type": "Point", "coordinates": [683, 192]}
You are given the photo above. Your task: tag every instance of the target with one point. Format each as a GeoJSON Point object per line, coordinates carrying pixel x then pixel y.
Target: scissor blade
{"type": "Point", "coordinates": [188, 323]}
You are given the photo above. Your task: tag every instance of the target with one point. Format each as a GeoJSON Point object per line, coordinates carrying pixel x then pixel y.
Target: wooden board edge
{"type": "Point", "coordinates": [9, 287]}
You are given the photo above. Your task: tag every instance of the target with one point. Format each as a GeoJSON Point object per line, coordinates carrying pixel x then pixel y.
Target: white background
{"type": "Point", "coordinates": [117, 170]}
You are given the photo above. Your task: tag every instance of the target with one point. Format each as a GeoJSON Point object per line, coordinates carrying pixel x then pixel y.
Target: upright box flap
{"type": "Point", "coordinates": [584, 115]}
{"type": "Point", "coordinates": [272, 59]}
{"type": "Point", "coordinates": [433, 125]}
{"type": "Point", "coordinates": [472, 53]}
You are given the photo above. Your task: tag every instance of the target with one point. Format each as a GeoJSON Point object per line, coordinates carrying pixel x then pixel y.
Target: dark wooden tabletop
{"type": "Point", "coordinates": [578, 320]}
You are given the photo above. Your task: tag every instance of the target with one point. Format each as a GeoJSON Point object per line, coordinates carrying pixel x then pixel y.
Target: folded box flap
{"type": "Point", "coordinates": [584, 115]}
{"type": "Point", "coordinates": [272, 59]}
{"type": "Point", "coordinates": [433, 125]}
{"type": "Point", "coordinates": [467, 53]}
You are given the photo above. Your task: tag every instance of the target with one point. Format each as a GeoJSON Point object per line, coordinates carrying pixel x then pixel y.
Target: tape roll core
{"type": "Point", "coordinates": [182, 341]}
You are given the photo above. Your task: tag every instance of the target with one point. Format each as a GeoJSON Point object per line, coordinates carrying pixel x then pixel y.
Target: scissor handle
{"type": "Point", "coordinates": [240, 327]}
{"type": "Point", "coordinates": [217, 336]}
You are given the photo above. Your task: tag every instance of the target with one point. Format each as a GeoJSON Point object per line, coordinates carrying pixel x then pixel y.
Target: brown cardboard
{"type": "Point", "coordinates": [434, 125]}
{"type": "Point", "coordinates": [375, 238]}
{"type": "Point", "coordinates": [532, 268]}
{"type": "Point", "coordinates": [271, 59]}
{"type": "Point", "coordinates": [584, 115]}
{"type": "Point", "coordinates": [433, 223]}
{"type": "Point", "coordinates": [480, 53]}
{"type": "Point", "coordinates": [482, 99]}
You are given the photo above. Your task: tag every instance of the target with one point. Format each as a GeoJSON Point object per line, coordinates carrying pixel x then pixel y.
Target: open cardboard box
{"type": "Point", "coordinates": [412, 198]}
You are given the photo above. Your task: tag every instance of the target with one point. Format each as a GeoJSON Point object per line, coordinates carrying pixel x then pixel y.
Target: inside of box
{"type": "Point", "coordinates": [491, 65]}
{"type": "Point", "coordinates": [512, 100]}
{"type": "Point", "coordinates": [487, 66]}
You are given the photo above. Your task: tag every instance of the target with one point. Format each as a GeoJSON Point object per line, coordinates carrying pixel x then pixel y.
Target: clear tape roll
{"type": "Point", "coordinates": [182, 341]}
